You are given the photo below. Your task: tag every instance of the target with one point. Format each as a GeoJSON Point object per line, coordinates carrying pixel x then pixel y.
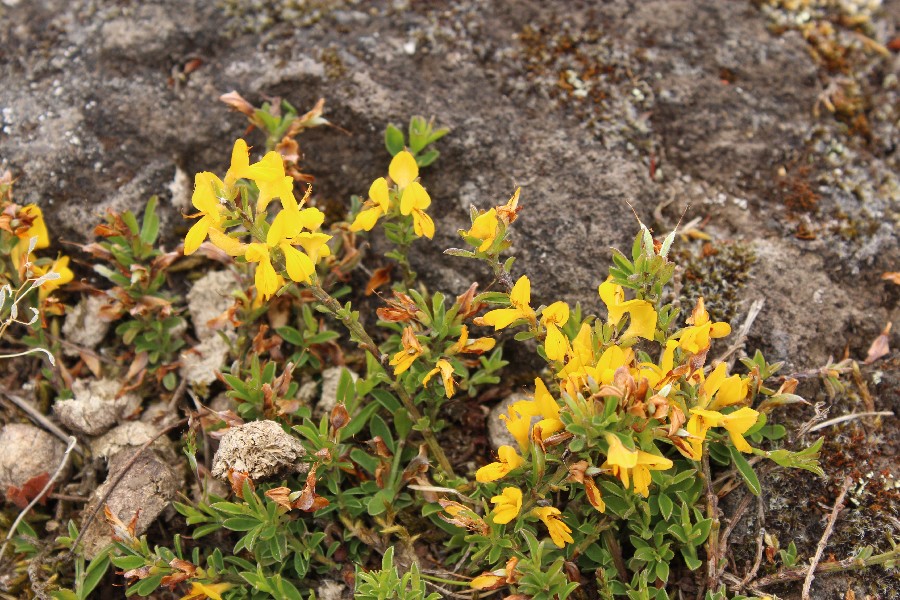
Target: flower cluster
{"type": "Point", "coordinates": [401, 193]}
{"type": "Point", "coordinates": [226, 217]}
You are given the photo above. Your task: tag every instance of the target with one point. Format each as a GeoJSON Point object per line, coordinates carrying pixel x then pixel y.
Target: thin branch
{"type": "Point", "coordinates": [713, 553]}
{"type": "Point", "coordinates": [62, 465]}
{"type": "Point", "coordinates": [838, 505]}
{"type": "Point", "coordinates": [741, 337]}
{"type": "Point", "coordinates": [38, 417]}
{"type": "Point", "coordinates": [850, 417]}
{"type": "Point", "coordinates": [760, 542]}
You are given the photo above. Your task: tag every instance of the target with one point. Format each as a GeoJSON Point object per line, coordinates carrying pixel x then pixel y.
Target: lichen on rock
{"type": "Point", "coordinates": [96, 407]}
{"type": "Point", "coordinates": [262, 449]}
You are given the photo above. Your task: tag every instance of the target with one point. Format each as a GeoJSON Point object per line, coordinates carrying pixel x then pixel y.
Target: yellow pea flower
{"type": "Point", "coordinates": [466, 346]}
{"type": "Point", "coordinates": [736, 424]}
{"type": "Point", "coordinates": [643, 315]}
{"type": "Point", "coordinates": [487, 581]}
{"type": "Point", "coordinates": [299, 266]}
{"type": "Point", "coordinates": [519, 298]}
{"type": "Point", "coordinates": [410, 351]}
{"type": "Point", "coordinates": [446, 370]}
{"type": "Point", "coordinates": [633, 465]}
{"type": "Point", "coordinates": [543, 405]}
{"type": "Point", "coordinates": [508, 504]}
{"type": "Point", "coordinates": [414, 201]}
{"type": "Point", "coordinates": [519, 426]}
{"type": "Point", "coordinates": [719, 391]}
{"type": "Point", "coordinates": [240, 163]}
{"type": "Point", "coordinates": [61, 266]}
{"type": "Point", "coordinates": [207, 189]}
{"type": "Point", "coordinates": [403, 169]}
{"type": "Point", "coordinates": [202, 591]}
{"type": "Point", "coordinates": [560, 533]}
{"type": "Point", "coordinates": [696, 339]}
{"type": "Point", "coordinates": [509, 459]}
{"type": "Point", "coordinates": [556, 344]}
{"type": "Point", "coordinates": [36, 229]}
{"type": "Point", "coordinates": [379, 202]}
{"type": "Point", "coordinates": [484, 228]}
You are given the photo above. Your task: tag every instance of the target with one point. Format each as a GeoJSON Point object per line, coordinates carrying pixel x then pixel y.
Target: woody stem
{"type": "Point", "coordinates": [359, 334]}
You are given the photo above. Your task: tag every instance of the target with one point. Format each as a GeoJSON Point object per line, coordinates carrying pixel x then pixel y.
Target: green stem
{"type": "Point", "coordinates": [500, 274]}
{"type": "Point", "coordinates": [358, 333]}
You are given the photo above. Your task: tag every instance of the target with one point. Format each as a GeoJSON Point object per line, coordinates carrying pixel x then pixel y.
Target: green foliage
{"type": "Point", "coordinates": [386, 584]}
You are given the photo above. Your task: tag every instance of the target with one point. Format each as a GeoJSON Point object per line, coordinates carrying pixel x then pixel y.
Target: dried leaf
{"type": "Point", "coordinates": [339, 418]}
{"type": "Point", "coordinates": [237, 480]}
{"type": "Point", "coordinates": [29, 490]}
{"type": "Point", "coordinates": [380, 277]}
{"type": "Point", "coordinates": [879, 346]}
{"type": "Point", "coordinates": [309, 501]}
{"type": "Point", "coordinates": [280, 496]}
{"type": "Point", "coordinates": [593, 494]}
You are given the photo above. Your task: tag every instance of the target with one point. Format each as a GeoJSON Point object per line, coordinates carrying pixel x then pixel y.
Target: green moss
{"type": "Point", "coordinates": [718, 272]}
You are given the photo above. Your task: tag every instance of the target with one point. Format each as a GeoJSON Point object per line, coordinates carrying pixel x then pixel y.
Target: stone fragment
{"type": "Point", "coordinates": [328, 398]}
{"type": "Point", "coordinates": [95, 407]}
{"type": "Point", "coordinates": [83, 326]}
{"type": "Point", "coordinates": [200, 363]}
{"type": "Point", "coordinates": [262, 449]}
{"type": "Point", "coordinates": [130, 436]}
{"type": "Point", "coordinates": [145, 490]}
{"type": "Point", "coordinates": [27, 451]}
{"type": "Point", "coordinates": [209, 298]}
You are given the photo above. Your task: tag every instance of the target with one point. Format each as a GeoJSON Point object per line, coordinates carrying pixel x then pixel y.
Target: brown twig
{"type": "Point", "coordinates": [39, 418]}
{"type": "Point", "coordinates": [713, 552]}
{"type": "Point", "coordinates": [760, 543]}
{"type": "Point", "coordinates": [838, 505]}
{"type": "Point", "coordinates": [119, 476]}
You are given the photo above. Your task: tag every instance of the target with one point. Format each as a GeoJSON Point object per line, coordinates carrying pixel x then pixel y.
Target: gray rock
{"type": "Point", "coordinates": [328, 398]}
{"type": "Point", "coordinates": [209, 297]}
{"type": "Point", "coordinates": [28, 451]}
{"type": "Point", "coordinates": [83, 325]}
{"type": "Point", "coordinates": [262, 449]}
{"type": "Point", "coordinates": [96, 406]}
{"type": "Point", "coordinates": [128, 437]}
{"type": "Point", "coordinates": [145, 490]}
{"type": "Point", "coordinates": [200, 363]}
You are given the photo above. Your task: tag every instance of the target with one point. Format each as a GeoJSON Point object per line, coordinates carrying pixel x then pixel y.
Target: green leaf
{"type": "Point", "coordinates": [745, 470]}
{"type": "Point", "coordinates": [95, 572]}
{"type": "Point", "coordinates": [145, 586]}
{"type": "Point", "coordinates": [393, 140]}
{"type": "Point", "coordinates": [666, 506]}
{"type": "Point", "coordinates": [240, 523]}
{"type": "Point", "coordinates": [427, 158]}
{"type": "Point", "coordinates": [126, 563]}
{"type": "Point", "coordinates": [150, 227]}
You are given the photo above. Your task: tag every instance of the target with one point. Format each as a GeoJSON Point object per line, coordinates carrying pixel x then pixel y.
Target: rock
{"type": "Point", "coordinates": [330, 590]}
{"type": "Point", "coordinates": [209, 297]}
{"type": "Point", "coordinates": [498, 434]}
{"type": "Point", "coordinates": [262, 449]}
{"type": "Point", "coordinates": [130, 436]}
{"type": "Point", "coordinates": [27, 451]}
{"type": "Point", "coordinates": [200, 363]}
{"type": "Point", "coordinates": [328, 398]}
{"type": "Point", "coordinates": [146, 489]}
{"type": "Point", "coordinates": [95, 407]}
{"type": "Point", "coordinates": [83, 325]}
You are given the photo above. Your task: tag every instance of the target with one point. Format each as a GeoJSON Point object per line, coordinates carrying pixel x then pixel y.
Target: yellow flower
{"type": "Point", "coordinates": [411, 350]}
{"type": "Point", "coordinates": [719, 391]}
{"type": "Point", "coordinates": [519, 298]}
{"type": "Point", "coordinates": [696, 339]}
{"type": "Point", "coordinates": [202, 591]}
{"type": "Point", "coordinates": [446, 370]}
{"type": "Point", "coordinates": [543, 405]}
{"type": "Point", "coordinates": [272, 182]}
{"type": "Point", "coordinates": [240, 163]}
{"type": "Point", "coordinates": [299, 266]}
{"type": "Point", "coordinates": [519, 426]}
{"type": "Point", "coordinates": [207, 189]}
{"type": "Point", "coordinates": [633, 466]}
{"type": "Point", "coordinates": [379, 202]}
{"type": "Point", "coordinates": [37, 229]}
{"type": "Point", "coordinates": [484, 228]}
{"type": "Point", "coordinates": [508, 504]}
{"type": "Point", "coordinates": [487, 581]}
{"type": "Point", "coordinates": [509, 460]}
{"type": "Point", "coordinates": [466, 346]}
{"type": "Point", "coordinates": [403, 169]}
{"type": "Point", "coordinates": [61, 266]}
{"type": "Point", "coordinates": [510, 211]}
{"type": "Point", "coordinates": [560, 533]}
{"type": "Point", "coordinates": [643, 315]}
{"type": "Point", "coordinates": [556, 344]}
{"type": "Point", "coordinates": [736, 424]}
{"type": "Point", "coordinates": [413, 198]}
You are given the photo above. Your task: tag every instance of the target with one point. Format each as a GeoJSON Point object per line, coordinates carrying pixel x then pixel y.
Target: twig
{"type": "Point", "coordinates": [713, 554]}
{"type": "Point", "coordinates": [41, 419]}
{"type": "Point", "coordinates": [835, 566]}
{"type": "Point", "coordinates": [850, 417]}
{"type": "Point", "coordinates": [760, 542]}
{"type": "Point", "coordinates": [62, 465]}
{"type": "Point", "coordinates": [838, 505]}
{"type": "Point", "coordinates": [741, 337]}
{"type": "Point", "coordinates": [118, 478]}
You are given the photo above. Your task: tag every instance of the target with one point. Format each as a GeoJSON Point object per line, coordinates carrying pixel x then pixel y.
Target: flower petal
{"type": "Point", "coordinates": [403, 169]}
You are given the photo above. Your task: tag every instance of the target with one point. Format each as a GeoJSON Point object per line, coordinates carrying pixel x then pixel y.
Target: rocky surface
{"type": "Point", "coordinates": [261, 449]}
{"type": "Point", "coordinates": [96, 406]}
{"type": "Point", "coordinates": [736, 114]}
{"type": "Point", "coordinates": [28, 452]}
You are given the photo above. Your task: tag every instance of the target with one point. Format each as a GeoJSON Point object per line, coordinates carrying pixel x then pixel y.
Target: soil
{"type": "Point", "coordinates": [782, 146]}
